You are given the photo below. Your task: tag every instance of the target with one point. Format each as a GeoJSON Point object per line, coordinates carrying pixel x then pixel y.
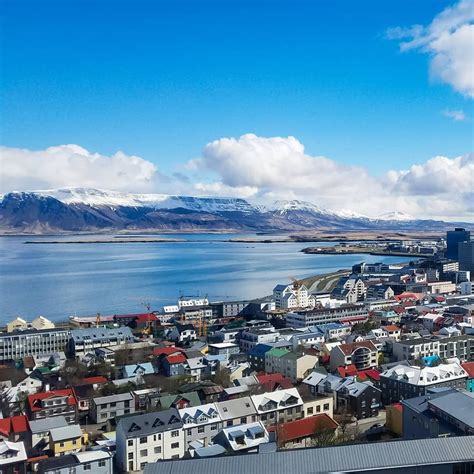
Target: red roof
{"type": "Point", "coordinates": [145, 318]}
{"type": "Point", "coordinates": [19, 424]}
{"type": "Point", "coordinates": [347, 371]}
{"type": "Point", "coordinates": [15, 424]}
{"type": "Point", "coordinates": [271, 382]}
{"type": "Point", "coordinates": [35, 399]}
{"type": "Point", "coordinates": [176, 359]}
{"type": "Point", "coordinates": [391, 328]}
{"type": "Point", "coordinates": [305, 427]}
{"type": "Point", "coordinates": [93, 380]}
{"type": "Point", "coordinates": [5, 426]}
{"type": "Point", "coordinates": [348, 349]}
{"type": "Point", "coordinates": [469, 368]}
{"type": "Point", "coordinates": [371, 374]}
{"type": "Point", "coordinates": [166, 350]}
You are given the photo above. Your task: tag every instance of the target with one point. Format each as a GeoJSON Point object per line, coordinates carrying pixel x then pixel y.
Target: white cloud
{"type": "Point", "coordinates": [71, 166]}
{"type": "Point", "coordinates": [278, 168]}
{"type": "Point", "coordinates": [449, 42]}
{"type": "Point", "coordinates": [456, 115]}
{"type": "Point", "coordinates": [257, 168]}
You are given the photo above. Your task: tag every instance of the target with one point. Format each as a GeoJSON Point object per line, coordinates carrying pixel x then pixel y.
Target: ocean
{"type": "Point", "coordinates": [60, 280]}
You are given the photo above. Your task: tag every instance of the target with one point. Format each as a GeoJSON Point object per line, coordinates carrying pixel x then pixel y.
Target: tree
{"type": "Point", "coordinates": [222, 377]}
{"type": "Point", "coordinates": [344, 419]}
{"type": "Point", "coordinates": [324, 434]}
{"type": "Point", "coordinates": [73, 372]}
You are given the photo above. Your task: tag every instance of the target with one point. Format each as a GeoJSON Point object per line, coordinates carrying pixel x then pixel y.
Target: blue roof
{"type": "Point", "coordinates": [260, 350]}
{"type": "Point", "coordinates": [132, 370]}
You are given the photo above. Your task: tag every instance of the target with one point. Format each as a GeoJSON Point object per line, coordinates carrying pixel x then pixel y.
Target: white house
{"type": "Point", "coordinates": [200, 423]}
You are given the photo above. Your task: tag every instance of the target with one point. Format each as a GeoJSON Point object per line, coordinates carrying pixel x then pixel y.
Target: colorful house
{"type": "Point", "coordinates": [469, 368]}
{"type": "Point", "coordinates": [67, 440]}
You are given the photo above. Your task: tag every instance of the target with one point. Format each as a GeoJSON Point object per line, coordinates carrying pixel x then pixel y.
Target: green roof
{"type": "Point", "coordinates": [167, 400]}
{"type": "Point", "coordinates": [277, 352]}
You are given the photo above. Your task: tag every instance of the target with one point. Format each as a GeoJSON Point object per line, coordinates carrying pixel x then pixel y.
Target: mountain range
{"type": "Point", "coordinates": [76, 210]}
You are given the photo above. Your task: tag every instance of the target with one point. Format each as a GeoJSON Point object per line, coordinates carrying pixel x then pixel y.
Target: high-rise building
{"type": "Point", "coordinates": [466, 256]}
{"type": "Point", "coordinates": [453, 239]}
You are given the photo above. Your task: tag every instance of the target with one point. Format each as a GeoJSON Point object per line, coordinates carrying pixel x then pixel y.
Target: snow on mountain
{"type": "Point", "coordinates": [283, 207]}
{"type": "Point", "coordinates": [114, 199]}
{"type": "Point", "coordinates": [348, 214]}
{"type": "Point", "coordinates": [396, 216]}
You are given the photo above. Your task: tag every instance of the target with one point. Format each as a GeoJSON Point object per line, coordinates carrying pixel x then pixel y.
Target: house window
{"type": "Point", "coordinates": [61, 444]}
{"type": "Point", "coordinates": [142, 466]}
{"type": "Point", "coordinates": [144, 453]}
{"type": "Point", "coordinates": [201, 429]}
{"type": "Point", "coordinates": [157, 450]}
{"type": "Point", "coordinates": [326, 406]}
{"type": "Point", "coordinates": [189, 432]}
{"type": "Point", "coordinates": [143, 440]}
{"type": "Point", "coordinates": [213, 427]}
{"type": "Point", "coordinates": [87, 467]}
{"type": "Point", "coordinates": [243, 420]}
{"type": "Point", "coordinates": [102, 463]}
{"type": "Point", "coordinates": [175, 433]}
{"type": "Point", "coordinates": [130, 442]}
{"type": "Point", "coordinates": [310, 410]}
{"type": "Point", "coordinates": [174, 445]}
{"type": "Point", "coordinates": [130, 455]}
{"type": "Point", "coordinates": [230, 423]}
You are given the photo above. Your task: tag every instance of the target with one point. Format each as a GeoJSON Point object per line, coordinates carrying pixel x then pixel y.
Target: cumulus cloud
{"type": "Point", "coordinates": [448, 41]}
{"type": "Point", "coordinates": [71, 166]}
{"type": "Point", "coordinates": [262, 169]}
{"type": "Point", "coordinates": [279, 168]}
{"type": "Point", "coordinates": [456, 115]}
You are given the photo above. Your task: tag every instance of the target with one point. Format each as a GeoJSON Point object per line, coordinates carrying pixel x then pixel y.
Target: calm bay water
{"type": "Point", "coordinates": [58, 280]}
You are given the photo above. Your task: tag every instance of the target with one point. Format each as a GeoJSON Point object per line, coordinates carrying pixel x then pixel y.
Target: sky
{"type": "Point", "coordinates": [362, 105]}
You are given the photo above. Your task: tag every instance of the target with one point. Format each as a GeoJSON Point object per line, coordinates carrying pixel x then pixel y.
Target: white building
{"type": "Point", "coordinates": [279, 406]}
{"type": "Point", "coordinates": [292, 296]}
{"type": "Point", "coordinates": [200, 423]}
{"type": "Point", "coordinates": [147, 438]}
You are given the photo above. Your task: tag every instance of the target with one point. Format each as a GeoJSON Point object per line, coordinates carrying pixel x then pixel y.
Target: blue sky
{"type": "Point", "coordinates": [161, 79]}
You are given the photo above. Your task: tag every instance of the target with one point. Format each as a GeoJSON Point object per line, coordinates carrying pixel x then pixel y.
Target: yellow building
{"type": "Point", "coordinates": [67, 440]}
{"type": "Point", "coordinates": [394, 420]}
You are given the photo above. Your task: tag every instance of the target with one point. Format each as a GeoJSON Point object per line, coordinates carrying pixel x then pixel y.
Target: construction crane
{"type": "Point", "coordinates": [149, 324]}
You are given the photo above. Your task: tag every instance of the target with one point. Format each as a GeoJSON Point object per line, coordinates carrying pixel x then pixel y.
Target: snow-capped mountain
{"type": "Point", "coordinates": [95, 210]}
{"type": "Point", "coordinates": [114, 199]}
{"type": "Point", "coordinates": [396, 216]}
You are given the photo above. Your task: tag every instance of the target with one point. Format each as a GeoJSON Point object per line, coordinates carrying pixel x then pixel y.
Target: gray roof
{"type": "Point", "coordinates": [350, 458]}
{"type": "Point", "coordinates": [41, 426]}
{"type": "Point", "coordinates": [236, 408]}
{"type": "Point", "coordinates": [66, 432]}
{"type": "Point", "coordinates": [100, 333]}
{"type": "Point", "coordinates": [119, 397]}
{"type": "Point", "coordinates": [150, 423]}
{"type": "Point", "coordinates": [459, 405]}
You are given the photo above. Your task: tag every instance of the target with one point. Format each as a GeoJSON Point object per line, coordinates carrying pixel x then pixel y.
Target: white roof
{"type": "Point", "coordinates": [279, 397]}
{"type": "Point", "coordinates": [426, 375]}
{"type": "Point", "coordinates": [190, 415]}
{"type": "Point", "coordinates": [96, 455]}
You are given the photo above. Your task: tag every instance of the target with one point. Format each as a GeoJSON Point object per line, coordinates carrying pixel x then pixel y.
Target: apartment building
{"type": "Point", "coordinates": [53, 403]}
{"type": "Point", "coordinates": [345, 313]}
{"type": "Point", "coordinates": [461, 347]}
{"type": "Point", "coordinates": [19, 344]}
{"type": "Point", "coordinates": [290, 364]}
{"type": "Point", "coordinates": [148, 438]}
{"type": "Point", "coordinates": [108, 408]}
{"type": "Point", "coordinates": [200, 423]}
{"type": "Point", "coordinates": [237, 411]}
{"type": "Point", "coordinates": [98, 461]}
{"type": "Point", "coordinates": [83, 341]}
{"type": "Point", "coordinates": [361, 354]}
{"type": "Point", "coordinates": [401, 382]}
{"type": "Point", "coordinates": [261, 335]}
{"type": "Point", "coordinates": [292, 296]}
{"type": "Point", "coordinates": [279, 406]}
